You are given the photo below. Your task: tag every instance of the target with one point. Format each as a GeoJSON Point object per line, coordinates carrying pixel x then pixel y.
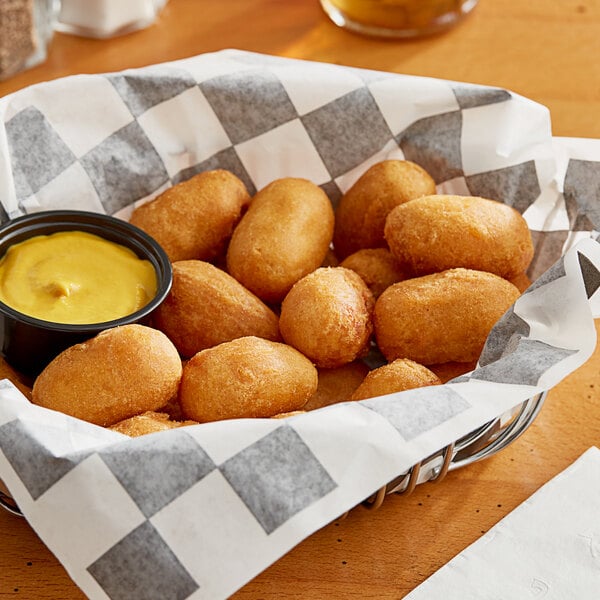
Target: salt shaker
{"type": "Point", "coordinates": [106, 18]}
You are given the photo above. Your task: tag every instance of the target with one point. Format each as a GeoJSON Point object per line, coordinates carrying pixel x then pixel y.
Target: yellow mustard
{"type": "Point", "coordinates": [75, 277]}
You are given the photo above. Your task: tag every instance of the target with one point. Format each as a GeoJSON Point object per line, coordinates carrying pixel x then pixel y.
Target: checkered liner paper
{"type": "Point", "coordinates": [197, 512]}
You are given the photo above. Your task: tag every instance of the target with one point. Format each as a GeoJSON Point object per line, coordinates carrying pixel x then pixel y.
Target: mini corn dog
{"type": "Point", "coordinates": [436, 233]}
{"type": "Point", "coordinates": [441, 317]}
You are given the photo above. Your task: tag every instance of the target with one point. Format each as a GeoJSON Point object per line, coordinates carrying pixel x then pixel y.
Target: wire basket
{"type": "Point", "coordinates": [482, 443]}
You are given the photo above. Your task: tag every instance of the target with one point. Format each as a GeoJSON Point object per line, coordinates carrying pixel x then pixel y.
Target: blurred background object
{"type": "Point", "coordinates": [397, 18]}
{"type": "Point", "coordinates": [106, 18]}
{"type": "Point", "coordinates": [26, 28]}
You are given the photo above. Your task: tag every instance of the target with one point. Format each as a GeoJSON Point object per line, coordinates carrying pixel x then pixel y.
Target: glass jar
{"type": "Point", "coordinates": [26, 28]}
{"type": "Point", "coordinates": [397, 18]}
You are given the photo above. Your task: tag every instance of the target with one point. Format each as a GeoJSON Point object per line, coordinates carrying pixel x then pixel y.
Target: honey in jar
{"type": "Point", "coordinates": [397, 18]}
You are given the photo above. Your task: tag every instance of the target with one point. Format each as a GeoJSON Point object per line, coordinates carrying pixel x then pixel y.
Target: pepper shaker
{"type": "Point", "coordinates": [26, 28]}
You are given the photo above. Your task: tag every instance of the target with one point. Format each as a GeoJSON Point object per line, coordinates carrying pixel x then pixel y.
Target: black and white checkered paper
{"type": "Point", "coordinates": [197, 512]}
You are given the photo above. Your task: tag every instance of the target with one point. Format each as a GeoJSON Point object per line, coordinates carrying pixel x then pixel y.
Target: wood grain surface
{"type": "Point", "coordinates": [545, 50]}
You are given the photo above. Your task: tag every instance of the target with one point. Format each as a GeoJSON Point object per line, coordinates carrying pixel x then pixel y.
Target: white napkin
{"type": "Point", "coordinates": [549, 546]}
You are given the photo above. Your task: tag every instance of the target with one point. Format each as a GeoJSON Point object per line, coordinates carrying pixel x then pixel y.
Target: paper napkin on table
{"type": "Point", "coordinates": [548, 547]}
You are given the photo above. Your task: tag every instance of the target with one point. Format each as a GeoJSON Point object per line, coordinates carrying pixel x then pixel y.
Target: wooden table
{"type": "Point", "coordinates": [543, 50]}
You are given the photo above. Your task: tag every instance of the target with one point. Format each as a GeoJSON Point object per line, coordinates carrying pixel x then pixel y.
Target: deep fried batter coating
{"type": "Point", "coordinates": [18, 380]}
{"type": "Point", "coordinates": [521, 281]}
{"type": "Point", "coordinates": [330, 260]}
{"type": "Point", "coordinates": [327, 315]}
{"type": "Point", "coordinates": [337, 385]}
{"type": "Point", "coordinates": [172, 408]}
{"type": "Point", "coordinates": [435, 233]}
{"type": "Point", "coordinates": [120, 373]}
{"type": "Point", "coordinates": [449, 370]}
{"type": "Point", "coordinates": [284, 235]}
{"type": "Point", "coordinates": [397, 376]}
{"type": "Point", "coordinates": [148, 422]}
{"type": "Point", "coordinates": [441, 317]}
{"type": "Point", "coordinates": [361, 212]}
{"type": "Point", "coordinates": [206, 307]}
{"type": "Point", "coordinates": [247, 377]}
{"type": "Point", "coordinates": [195, 218]}
{"type": "Point", "coordinates": [377, 267]}
{"type": "Point", "coordinates": [292, 413]}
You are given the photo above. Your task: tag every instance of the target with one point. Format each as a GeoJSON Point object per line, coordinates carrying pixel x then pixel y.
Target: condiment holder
{"type": "Point", "coordinates": [28, 343]}
{"type": "Point", "coordinates": [26, 30]}
{"type": "Point", "coordinates": [106, 18]}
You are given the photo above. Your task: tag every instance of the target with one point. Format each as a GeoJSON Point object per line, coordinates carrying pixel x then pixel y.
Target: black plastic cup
{"type": "Point", "coordinates": [29, 344]}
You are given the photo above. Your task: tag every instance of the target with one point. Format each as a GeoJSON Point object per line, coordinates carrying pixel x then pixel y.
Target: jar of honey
{"type": "Point", "coordinates": [397, 18]}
